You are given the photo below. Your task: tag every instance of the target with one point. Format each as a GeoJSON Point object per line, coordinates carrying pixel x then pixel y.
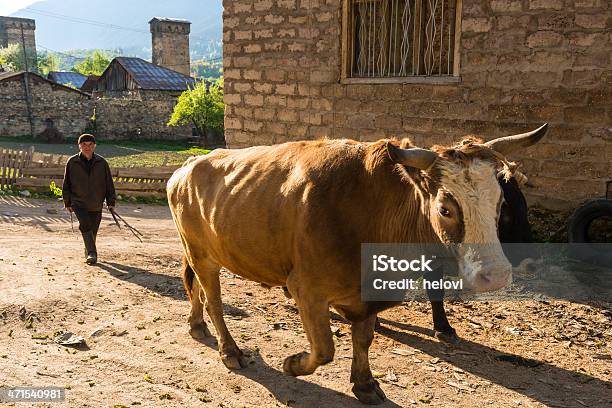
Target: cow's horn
{"type": "Point", "coordinates": [413, 157]}
{"type": "Point", "coordinates": [508, 144]}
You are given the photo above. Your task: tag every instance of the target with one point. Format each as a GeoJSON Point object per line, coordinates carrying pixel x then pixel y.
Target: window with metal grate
{"type": "Point", "coordinates": [400, 38]}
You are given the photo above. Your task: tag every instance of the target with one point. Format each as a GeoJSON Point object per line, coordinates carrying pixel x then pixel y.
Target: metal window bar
{"type": "Point", "coordinates": [399, 38]}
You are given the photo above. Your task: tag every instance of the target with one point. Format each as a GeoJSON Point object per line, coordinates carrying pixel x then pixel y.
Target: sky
{"type": "Point", "coordinates": [10, 6]}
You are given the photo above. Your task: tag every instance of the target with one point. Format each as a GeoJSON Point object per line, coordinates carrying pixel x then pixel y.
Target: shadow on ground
{"type": "Point", "coordinates": [170, 286]}
{"type": "Point", "coordinates": [546, 383]}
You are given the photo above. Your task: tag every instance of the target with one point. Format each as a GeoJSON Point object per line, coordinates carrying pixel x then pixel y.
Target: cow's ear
{"type": "Point", "coordinates": [415, 157]}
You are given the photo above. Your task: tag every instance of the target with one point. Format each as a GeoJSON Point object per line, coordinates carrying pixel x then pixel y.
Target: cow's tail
{"type": "Point", "coordinates": [188, 276]}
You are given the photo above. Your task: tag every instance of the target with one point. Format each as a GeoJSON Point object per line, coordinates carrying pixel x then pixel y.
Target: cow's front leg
{"type": "Point", "coordinates": [443, 331]}
{"type": "Point", "coordinates": [314, 313]}
{"type": "Point", "coordinates": [366, 388]}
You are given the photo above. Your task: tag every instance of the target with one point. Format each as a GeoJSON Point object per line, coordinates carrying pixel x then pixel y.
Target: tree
{"type": "Point", "coordinates": [11, 58]}
{"type": "Point", "coordinates": [47, 62]}
{"type": "Point", "coordinates": [93, 64]}
{"type": "Point", "coordinates": [202, 107]}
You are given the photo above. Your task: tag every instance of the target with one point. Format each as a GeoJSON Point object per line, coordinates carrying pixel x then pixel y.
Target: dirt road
{"type": "Point", "coordinates": [132, 312]}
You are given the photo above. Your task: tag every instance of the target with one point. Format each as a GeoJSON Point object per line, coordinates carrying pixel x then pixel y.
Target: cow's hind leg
{"type": "Point", "coordinates": [366, 388]}
{"type": "Point", "coordinates": [208, 274]}
{"type": "Point", "coordinates": [197, 326]}
{"type": "Point", "coordinates": [314, 313]}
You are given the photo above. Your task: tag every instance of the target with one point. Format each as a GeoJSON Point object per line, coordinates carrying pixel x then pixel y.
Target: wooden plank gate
{"type": "Point", "coordinates": [12, 164]}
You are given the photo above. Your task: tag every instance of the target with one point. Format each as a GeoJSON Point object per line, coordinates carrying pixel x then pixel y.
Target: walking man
{"type": "Point", "coordinates": [87, 183]}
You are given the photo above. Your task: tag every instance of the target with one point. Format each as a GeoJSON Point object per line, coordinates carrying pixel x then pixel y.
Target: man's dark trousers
{"type": "Point", "coordinates": [89, 222]}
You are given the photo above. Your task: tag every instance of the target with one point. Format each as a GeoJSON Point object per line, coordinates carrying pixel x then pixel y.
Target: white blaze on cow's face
{"type": "Point", "coordinates": [468, 205]}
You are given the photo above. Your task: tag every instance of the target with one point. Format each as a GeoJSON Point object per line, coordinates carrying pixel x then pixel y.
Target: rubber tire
{"type": "Point", "coordinates": [577, 227]}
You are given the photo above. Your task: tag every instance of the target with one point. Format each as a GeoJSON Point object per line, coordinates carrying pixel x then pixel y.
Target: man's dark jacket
{"type": "Point", "coordinates": [87, 183]}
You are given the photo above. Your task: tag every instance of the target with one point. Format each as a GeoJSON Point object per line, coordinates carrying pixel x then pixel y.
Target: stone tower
{"type": "Point", "coordinates": [171, 43]}
{"type": "Point", "coordinates": [11, 29]}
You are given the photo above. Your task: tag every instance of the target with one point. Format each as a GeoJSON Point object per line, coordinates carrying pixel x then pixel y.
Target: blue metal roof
{"type": "Point", "coordinates": [67, 78]}
{"type": "Point", "coordinates": [154, 77]}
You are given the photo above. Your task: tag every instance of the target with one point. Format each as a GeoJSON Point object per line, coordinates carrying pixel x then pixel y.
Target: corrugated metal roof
{"type": "Point", "coordinates": [67, 78]}
{"type": "Point", "coordinates": [154, 77]}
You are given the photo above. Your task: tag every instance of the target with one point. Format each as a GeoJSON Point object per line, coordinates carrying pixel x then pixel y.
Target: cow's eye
{"type": "Point", "coordinates": [444, 211]}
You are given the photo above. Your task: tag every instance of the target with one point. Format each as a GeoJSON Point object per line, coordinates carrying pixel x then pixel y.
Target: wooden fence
{"type": "Point", "coordinates": [12, 164]}
{"type": "Point", "coordinates": [129, 181]}
{"type": "Point", "coordinates": [29, 170]}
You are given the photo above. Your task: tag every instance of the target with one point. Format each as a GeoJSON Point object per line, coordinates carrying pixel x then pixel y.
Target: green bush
{"type": "Point", "coordinates": [56, 192]}
{"type": "Point", "coordinates": [200, 107]}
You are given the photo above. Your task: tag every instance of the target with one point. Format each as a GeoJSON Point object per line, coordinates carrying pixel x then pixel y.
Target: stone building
{"type": "Point", "coordinates": [170, 40]}
{"type": "Point", "coordinates": [365, 70]}
{"type": "Point", "coordinates": [19, 31]}
{"type": "Point", "coordinates": [52, 106]}
{"type": "Point", "coordinates": [135, 99]}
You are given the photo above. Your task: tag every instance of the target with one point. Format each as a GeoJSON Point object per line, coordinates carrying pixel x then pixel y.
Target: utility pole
{"type": "Point", "coordinates": [26, 83]}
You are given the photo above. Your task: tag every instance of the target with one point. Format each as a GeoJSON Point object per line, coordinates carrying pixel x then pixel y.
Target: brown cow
{"type": "Point", "coordinates": [295, 215]}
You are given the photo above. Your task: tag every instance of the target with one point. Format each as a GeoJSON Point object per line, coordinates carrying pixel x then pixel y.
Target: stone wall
{"type": "Point", "coordinates": [139, 115]}
{"type": "Point", "coordinates": [69, 110]}
{"type": "Point", "coordinates": [523, 63]}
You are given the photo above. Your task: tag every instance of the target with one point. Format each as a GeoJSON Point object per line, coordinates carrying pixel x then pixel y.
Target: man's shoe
{"type": "Point", "coordinates": [90, 248]}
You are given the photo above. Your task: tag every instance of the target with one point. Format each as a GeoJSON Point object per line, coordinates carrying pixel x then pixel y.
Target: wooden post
{"type": "Point", "coordinates": [26, 83]}
{"type": "Point", "coordinates": [2, 171]}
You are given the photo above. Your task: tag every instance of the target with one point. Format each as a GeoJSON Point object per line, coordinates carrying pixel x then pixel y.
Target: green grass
{"type": "Point", "coordinates": [156, 157]}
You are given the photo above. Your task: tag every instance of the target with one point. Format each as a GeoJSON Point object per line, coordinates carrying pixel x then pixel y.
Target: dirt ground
{"type": "Point", "coordinates": [132, 312]}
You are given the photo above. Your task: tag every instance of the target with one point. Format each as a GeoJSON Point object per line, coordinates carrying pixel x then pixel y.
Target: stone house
{"type": "Point", "coordinates": [50, 106]}
{"type": "Point", "coordinates": [431, 71]}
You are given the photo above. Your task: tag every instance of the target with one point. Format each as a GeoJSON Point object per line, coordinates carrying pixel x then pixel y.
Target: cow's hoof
{"type": "Point", "coordinates": [292, 364]}
{"type": "Point", "coordinates": [377, 325]}
{"type": "Point", "coordinates": [199, 331]}
{"type": "Point", "coordinates": [369, 392]}
{"type": "Point", "coordinates": [234, 360]}
{"type": "Point", "coordinates": [448, 337]}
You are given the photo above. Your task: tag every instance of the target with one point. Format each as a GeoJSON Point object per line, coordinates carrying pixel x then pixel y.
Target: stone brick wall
{"type": "Point", "coordinates": [522, 63]}
{"type": "Point", "coordinates": [69, 110]}
{"type": "Point", "coordinates": [141, 115]}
